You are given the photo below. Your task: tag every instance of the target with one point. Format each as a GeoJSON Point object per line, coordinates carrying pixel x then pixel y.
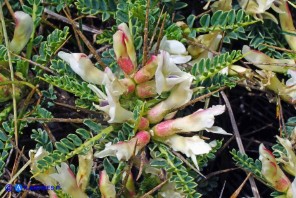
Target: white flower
{"type": "Point", "coordinates": [263, 61]}
{"type": "Point", "coordinates": [83, 66]}
{"type": "Point", "coordinates": [107, 189]}
{"type": "Point", "coordinates": [67, 180]}
{"type": "Point", "coordinates": [199, 120]}
{"type": "Point", "coordinates": [167, 74]}
{"type": "Point", "coordinates": [179, 95]}
{"type": "Point", "coordinates": [125, 150]}
{"type": "Point", "coordinates": [110, 105]}
{"type": "Point", "coordinates": [190, 146]}
{"type": "Point", "coordinates": [112, 83]}
{"type": "Point", "coordinates": [176, 49]}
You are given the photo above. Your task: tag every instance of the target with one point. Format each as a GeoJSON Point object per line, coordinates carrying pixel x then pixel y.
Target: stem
{"type": "Point", "coordinates": [78, 150]}
{"type": "Point", "coordinates": [11, 76]}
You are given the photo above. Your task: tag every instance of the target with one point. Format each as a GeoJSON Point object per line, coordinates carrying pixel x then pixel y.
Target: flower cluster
{"type": "Point", "coordinates": [63, 175]}
{"type": "Point", "coordinates": [159, 74]}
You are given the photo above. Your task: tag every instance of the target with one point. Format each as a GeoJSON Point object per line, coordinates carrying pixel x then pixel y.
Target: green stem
{"type": "Point", "coordinates": [11, 76]}
{"type": "Point", "coordinates": [78, 150]}
{"type": "Point", "coordinates": [118, 173]}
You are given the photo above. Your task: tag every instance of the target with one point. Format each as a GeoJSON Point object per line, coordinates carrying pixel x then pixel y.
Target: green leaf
{"type": "Point", "coordinates": [205, 20]}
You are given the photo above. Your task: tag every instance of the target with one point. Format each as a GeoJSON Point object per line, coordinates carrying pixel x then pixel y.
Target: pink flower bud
{"type": "Point", "coordinates": [124, 49]}
{"type": "Point", "coordinates": [84, 170]}
{"type": "Point", "coordinates": [125, 150]}
{"type": "Point", "coordinates": [144, 124]}
{"type": "Point", "coordinates": [148, 71]}
{"type": "Point", "coordinates": [83, 66]}
{"type": "Point", "coordinates": [146, 89]}
{"type": "Point", "coordinates": [106, 187]}
{"type": "Point", "coordinates": [129, 84]}
{"type": "Point", "coordinates": [22, 32]}
{"type": "Point", "coordinates": [200, 120]}
{"type": "Point", "coordinates": [272, 172]}
{"type": "Point", "coordinates": [286, 21]}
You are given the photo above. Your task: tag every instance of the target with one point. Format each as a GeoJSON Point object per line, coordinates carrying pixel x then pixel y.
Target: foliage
{"type": "Point", "coordinates": [58, 93]}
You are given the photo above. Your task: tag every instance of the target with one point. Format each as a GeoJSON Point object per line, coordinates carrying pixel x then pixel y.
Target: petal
{"type": "Point", "coordinates": [172, 46]}
{"type": "Point", "coordinates": [180, 59]}
{"type": "Point", "coordinates": [83, 67]}
{"type": "Point", "coordinates": [218, 130]}
{"type": "Point", "coordinates": [97, 91]}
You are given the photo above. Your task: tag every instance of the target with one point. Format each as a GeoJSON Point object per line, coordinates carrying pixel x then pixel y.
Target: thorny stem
{"type": "Point", "coordinates": [11, 76]}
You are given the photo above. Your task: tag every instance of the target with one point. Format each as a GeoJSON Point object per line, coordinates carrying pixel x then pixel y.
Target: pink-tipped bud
{"type": "Point", "coordinates": [272, 172]}
{"type": "Point", "coordinates": [146, 89]}
{"type": "Point", "coordinates": [107, 189]}
{"type": "Point", "coordinates": [129, 84]}
{"type": "Point", "coordinates": [124, 49]}
{"type": "Point", "coordinates": [22, 32]}
{"type": "Point", "coordinates": [143, 138]}
{"type": "Point", "coordinates": [199, 120]}
{"type": "Point", "coordinates": [144, 124]}
{"type": "Point", "coordinates": [148, 71]}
